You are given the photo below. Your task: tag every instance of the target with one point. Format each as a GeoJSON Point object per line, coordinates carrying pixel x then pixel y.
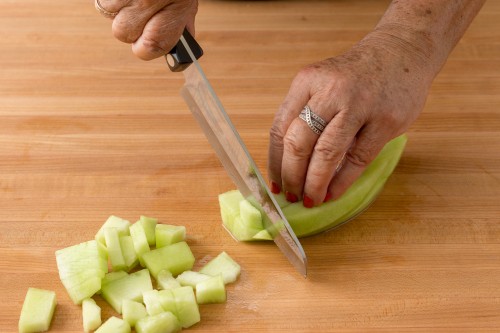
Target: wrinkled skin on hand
{"type": "Point", "coordinates": [369, 95]}
{"type": "Point", "coordinates": [153, 27]}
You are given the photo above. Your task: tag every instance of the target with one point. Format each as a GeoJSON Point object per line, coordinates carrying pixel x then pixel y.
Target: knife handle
{"type": "Point", "coordinates": [178, 58]}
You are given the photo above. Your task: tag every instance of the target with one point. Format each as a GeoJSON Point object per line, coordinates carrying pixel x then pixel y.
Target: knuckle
{"type": "Point", "coordinates": [276, 134]}
{"type": "Point", "coordinates": [295, 146]}
{"type": "Point", "coordinates": [327, 152]}
{"type": "Point", "coordinates": [360, 156]}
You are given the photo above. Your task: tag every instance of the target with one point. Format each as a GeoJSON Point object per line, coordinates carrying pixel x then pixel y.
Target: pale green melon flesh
{"type": "Point", "coordinates": [166, 280]}
{"type": "Point", "coordinates": [114, 325]}
{"type": "Point", "coordinates": [149, 225]}
{"type": "Point", "coordinates": [133, 311]}
{"type": "Point", "coordinates": [164, 322]}
{"type": "Point", "coordinates": [112, 276]}
{"type": "Point", "coordinates": [212, 290]}
{"type": "Point", "coordinates": [113, 222]}
{"type": "Point", "coordinates": [114, 249]}
{"type": "Point", "coordinates": [175, 258]}
{"type": "Point", "coordinates": [222, 264]}
{"type": "Point", "coordinates": [140, 239]}
{"type": "Point", "coordinates": [37, 311]}
{"type": "Point", "coordinates": [91, 315]}
{"type": "Point", "coordinates": [169, 234]}
{"type": "Point", "coordinates": [191, 279]}
{"type": "Point", "coordinates": [187, 310]}
{"type": "Point", "coordinates": [309, 221]}
{"type": "Point", "coordinates": [151, 299]}
{"type": "Point", "coordinates": [167, 300]}
{"type": "Point", "coordinates": [81, 268]}
{"type": "Point", "coordinates": [128, 252]}
{"type": "Point", "coordinates": [130, 287]}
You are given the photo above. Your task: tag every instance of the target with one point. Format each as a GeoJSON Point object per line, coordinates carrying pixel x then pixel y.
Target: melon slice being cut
{"type": "Point", "coordinates": [37, 311]}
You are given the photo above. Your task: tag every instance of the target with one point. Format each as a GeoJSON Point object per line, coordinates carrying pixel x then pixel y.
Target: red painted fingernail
{"type": "Point", "coordinates": [291, 197]}
{"type": "Point", "coordinates": [308, 202]}
{"type": "Point", "coordinates": [275, 188]}
{"type": "Point", "coordinates": [328, 197]}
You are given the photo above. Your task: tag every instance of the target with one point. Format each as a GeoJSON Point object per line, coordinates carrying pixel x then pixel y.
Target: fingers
{"type": "Point", "coordinates": [289, 110]}
{"type": "Point", "coordinates": [369, 143]}
{"type": "Point", "coordinates": [329, 155]}
{"type": "Point", "coordinates": [152, 27]}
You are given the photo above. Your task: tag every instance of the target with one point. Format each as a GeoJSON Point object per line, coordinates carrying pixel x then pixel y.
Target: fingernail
{"type": "Point", "coordinates": [275, 188]}
{"type": "Point", "coordinates": [308, 202]}
{"type": "Point", "coordinates": [291, 197]}
{"type": "Point", "coordinates": [328, 197]}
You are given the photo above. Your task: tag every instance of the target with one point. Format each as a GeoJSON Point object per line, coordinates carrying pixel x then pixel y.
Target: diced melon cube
{"type": "Point", "coordinates": [129, 287]}
{"type": "Point", "coordinates": [91, 315]}
{"type": "Point", "coordinates": [151, 299]}
{"type": "Point", "coordinates": [191, 279]}
{"type": "Point", "coordinates": [224, 264]}
{"type": "Point", "coordinates": [114, 325]}
{"type": "Point", "coordinates": [187, 310]}
{"type": "Point", "coordinates": [212, 290]}
{"type": "Point", "coordinates": [169, 234]}
{"type": "Point", "coordinates": [132, 311]}
{"type": "Point", "coordinates": [230, 207]}
{"type": "Point", "coordinates": [114, 249]}
{"type": "Point", "coordinates": [112, 276]}
{"type": "Point", "coordinates": [149, 225]}
{"type": "Point", "coordinates": [262, 235]}
{"type": "Point", "coordinates": [167, 301]}
{"type": "Point", "coordinates": [164, 322]}
{"type": "Point", "coordinates": [175, 258]}
{"type": "Point", "coordinates": [37, 311]}
{"type": "Point", "coordinates": [113, 222]}
{"type": "Point", "coordinates": [128, 252]}
{"type": "Point", "coordinates": [165, 280]}
{"type": "Point", "coordinates": [81, 268]}
{"type": "Point", "coordinates": [140, 239]}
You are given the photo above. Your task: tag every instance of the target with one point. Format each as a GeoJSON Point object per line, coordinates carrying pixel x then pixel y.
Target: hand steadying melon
{"type": "Point", "coordinates": [244, 221]}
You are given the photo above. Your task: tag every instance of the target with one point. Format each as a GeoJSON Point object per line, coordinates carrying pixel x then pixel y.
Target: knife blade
{"type": "Point", "coordinates": [221, 133]}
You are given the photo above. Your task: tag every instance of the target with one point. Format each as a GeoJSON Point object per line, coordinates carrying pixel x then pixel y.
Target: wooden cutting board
{"type": "Point", "coordinates": [87, 130]}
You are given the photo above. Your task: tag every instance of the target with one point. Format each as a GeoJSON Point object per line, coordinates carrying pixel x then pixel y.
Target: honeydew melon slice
{"type": "Point", "coordinates": [151, 299]}
{"type": "Point", "coordinates": [113, 222]}
{"type": "Point", "coordinates": [114, 249]}
{"type": "Point", "coordinates": [310, 221]}
{"type": "Point", "coordinates": [164, 322]}
{"type": "Point", "coordinates": [166, 280]}
{"type": "Point", "coordinates": [191, 279]}
{"type": "Point", "coordinates": [128, 252]}
{"type": "Point", "coordinates": [167, 300]}
{"type": "Point", "coordinates": [130, 287]}
{"type": "Point", "coordinates": [140, 239]}
{"type": "Point", "coordinates": [212, 290]}
{"type": "Point", "coordinates": [37, 311]}
{"type": "Point", "coordinates": [149, 225]}
{"type": "Point", "coordinates": [169, 234]}
{"type": "Point", "coordinates": [187, 310]}
{"type": "Point", "coordinates": [133, 311]}
{"type": "Point", "coordinates": [175, 258]}
{"type": "Point", "coordinates": [222, 264]}
{"type": "Point", "coordinates": [91, 315]}
{"type": "Point", "coordinates": [114, 325]}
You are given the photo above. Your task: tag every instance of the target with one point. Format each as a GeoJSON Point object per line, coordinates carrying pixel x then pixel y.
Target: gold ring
{"type": "Point", "coordinates": [103, 11]}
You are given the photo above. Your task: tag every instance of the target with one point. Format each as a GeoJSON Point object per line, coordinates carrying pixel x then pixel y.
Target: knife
{"type": "Point", "coordinates": [229, 147]}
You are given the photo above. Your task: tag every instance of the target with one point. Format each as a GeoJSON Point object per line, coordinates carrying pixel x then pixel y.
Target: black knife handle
{"type": "Point", "coordinates": [178, 58]}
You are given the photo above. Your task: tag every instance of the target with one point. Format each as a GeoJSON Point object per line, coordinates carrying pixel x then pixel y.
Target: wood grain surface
{"type": "Point", "coordinates": [87, 130]}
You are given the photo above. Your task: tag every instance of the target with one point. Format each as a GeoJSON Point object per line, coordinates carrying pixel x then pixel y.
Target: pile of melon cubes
{"type": "Point", "coordinates": [135, 252]}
